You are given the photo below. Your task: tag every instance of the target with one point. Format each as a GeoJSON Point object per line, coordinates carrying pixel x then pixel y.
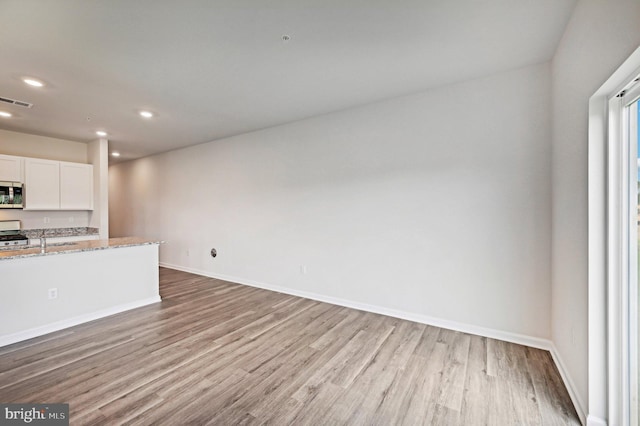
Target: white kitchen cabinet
{"type": "Point", "coordinates": [42, 184]}
{"type": "Point", "coordinates": [76, 186]}
{"type": "Point", "coordinates": [58, 185]}
{"type": "Point", "coordinates": [11, 168]}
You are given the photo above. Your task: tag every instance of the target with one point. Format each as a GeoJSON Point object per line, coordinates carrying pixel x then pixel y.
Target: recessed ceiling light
{"type": "Point", "coordinates": [115, 154]}
{"type": "Point", "coordinates": [5, 114]}
{"type": "Point", "coordinates": [146, 114]}
{"type": "Point", "coordinates": [33, 82]}
{"type": "Point", "coordinates": [101, 133]}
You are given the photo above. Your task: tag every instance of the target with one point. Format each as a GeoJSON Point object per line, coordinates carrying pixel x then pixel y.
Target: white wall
{"type": "Point", "coordinates": [55, 219]}
{"type": "Point", "coordinates": [599, 37]}
{"type": "Point", "coordinates": [26, 145]}
{"type": "Point", "coordinates": [98, 155]}
{"type": "Point", "coordinates": [436, 204]}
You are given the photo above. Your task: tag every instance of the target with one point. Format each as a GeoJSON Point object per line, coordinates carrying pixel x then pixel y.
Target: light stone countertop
{"type": "Point", "coordinates": [60, 232]}
{"type": "Point", "coordinates": [76, 247]}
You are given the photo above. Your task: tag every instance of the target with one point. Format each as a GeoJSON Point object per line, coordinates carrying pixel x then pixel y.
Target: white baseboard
{"type": "Point", "coordinates": [571, 388]}
{"type": "Point", "coordinates": [9, 339]}
{"type": "Point", "coordinates": [521, 339]}
{"type": "Point", "coordinates": [595, 421]}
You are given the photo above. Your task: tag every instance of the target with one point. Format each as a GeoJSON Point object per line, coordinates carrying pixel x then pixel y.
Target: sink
{"type": "Point", "coordinates": [61, 244]}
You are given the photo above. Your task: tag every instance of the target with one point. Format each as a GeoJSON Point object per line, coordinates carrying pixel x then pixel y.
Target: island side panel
{"type": "Point", "coordinates": [90, 285]}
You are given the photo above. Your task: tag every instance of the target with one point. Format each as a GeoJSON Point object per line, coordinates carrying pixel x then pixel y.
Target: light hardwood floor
{"type": "Point", "coordinates": [219, 353]}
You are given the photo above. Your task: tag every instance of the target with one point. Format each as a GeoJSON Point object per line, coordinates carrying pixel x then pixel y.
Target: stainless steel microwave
{"type": "Point", "coordinates": [11, 195]}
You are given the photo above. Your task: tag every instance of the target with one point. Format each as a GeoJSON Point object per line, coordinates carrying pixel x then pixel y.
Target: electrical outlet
{"type": "Point", "coordinates": [71, 219]}
{"type": "Point", "coordinates": [188, 252]}
{"type": "Point", "coordinates": [47, 219]}
{"type": "Point", "coordinates": [53, 293]}
{"type": "Point", "coordinates": [303, 269]}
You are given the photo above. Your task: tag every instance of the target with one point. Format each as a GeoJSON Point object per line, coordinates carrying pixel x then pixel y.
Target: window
{"type": "Point", "coordinates": [623, 245]}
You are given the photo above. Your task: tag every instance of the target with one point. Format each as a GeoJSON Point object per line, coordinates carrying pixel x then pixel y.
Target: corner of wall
{"type": "Point", "coordinates": [98, 155]}
{"type": "Point", "coordinates": [578, 403]}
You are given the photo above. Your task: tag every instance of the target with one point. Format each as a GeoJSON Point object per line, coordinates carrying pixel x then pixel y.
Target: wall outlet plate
{"type": "Point", "coordinates": [52, 293]}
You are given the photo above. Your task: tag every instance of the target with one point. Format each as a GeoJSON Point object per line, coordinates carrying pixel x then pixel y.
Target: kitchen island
{"type": "Point", "coordinates": [66, 284]}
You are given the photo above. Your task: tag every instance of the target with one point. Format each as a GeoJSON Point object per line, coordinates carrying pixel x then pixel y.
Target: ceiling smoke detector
{"type": "Point", "coordinates": [16, 102]}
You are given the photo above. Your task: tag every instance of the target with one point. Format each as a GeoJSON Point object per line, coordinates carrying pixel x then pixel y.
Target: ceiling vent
{"type": "Point", "coordinates": [16, 102]}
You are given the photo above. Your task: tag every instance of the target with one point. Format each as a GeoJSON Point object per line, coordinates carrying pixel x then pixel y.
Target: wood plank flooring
{"type": "Point", "coordinates": [217, 353]}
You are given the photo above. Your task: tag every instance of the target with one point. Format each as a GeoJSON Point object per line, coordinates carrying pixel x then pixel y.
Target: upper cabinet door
{"type": "Point", "coordinates": [76, 186]}
{"type": "Point", "coordinates": [42, 184]}
{"type": "Point", "coordinates": [11, 168]}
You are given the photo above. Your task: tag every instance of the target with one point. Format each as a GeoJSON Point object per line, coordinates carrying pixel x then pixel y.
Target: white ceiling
{"type": "Point", "coordinates": [215, 68]}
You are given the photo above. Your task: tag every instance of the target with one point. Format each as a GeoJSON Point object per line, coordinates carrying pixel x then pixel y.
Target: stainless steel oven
{"type": "Point", "coordinates": [11, 195]}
